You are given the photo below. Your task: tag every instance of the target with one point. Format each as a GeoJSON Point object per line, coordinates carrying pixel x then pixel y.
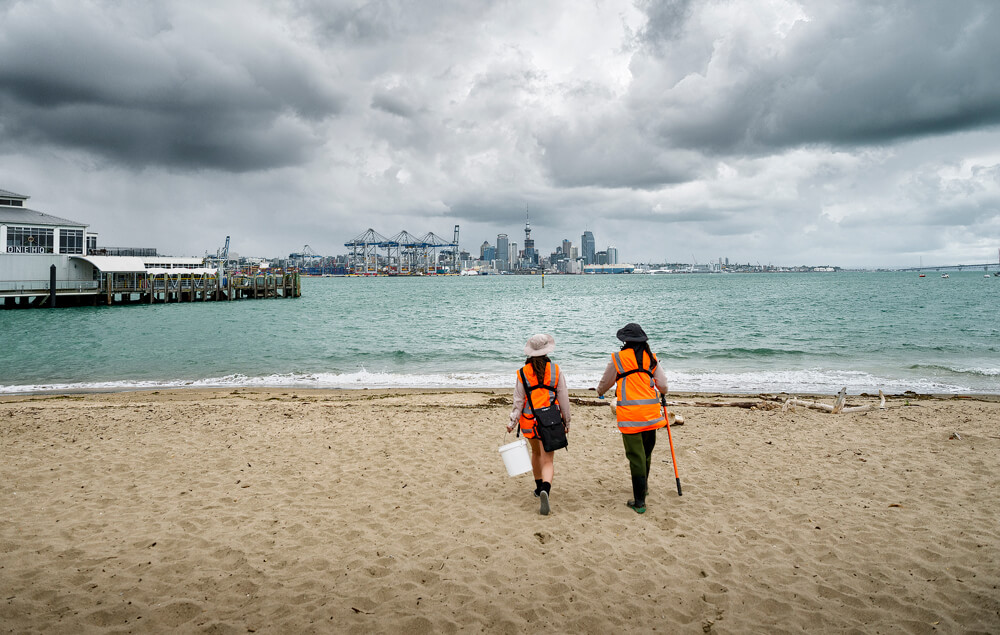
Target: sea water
{"type": "Point", "coordinates": [733, 333]}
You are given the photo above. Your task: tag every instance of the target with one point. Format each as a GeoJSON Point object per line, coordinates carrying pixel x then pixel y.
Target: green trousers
{"type": "Point", "coordinates": [639, 451]}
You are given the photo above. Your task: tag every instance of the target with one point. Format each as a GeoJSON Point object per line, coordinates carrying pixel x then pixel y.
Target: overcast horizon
{"type": "Point", "coordinates": [856, 134]}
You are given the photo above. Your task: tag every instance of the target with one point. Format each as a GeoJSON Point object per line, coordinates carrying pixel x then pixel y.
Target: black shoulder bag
{"type": "Point", "coordinates": [549, 424]}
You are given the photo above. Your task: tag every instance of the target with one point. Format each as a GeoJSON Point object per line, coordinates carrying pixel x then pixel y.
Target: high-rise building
{"type": "Point", "coordinates": [503, 252]}
{"type": "Point", "coordinates": [587, 245]}
{"type": "Point", "coordinates": [483, 248]}
{"type": "Point", "coordinates": [567, 247]}
{"type": "Point", "coordinates": [529, 244]}
{"type": "Point", "coordinates": [612, 255]}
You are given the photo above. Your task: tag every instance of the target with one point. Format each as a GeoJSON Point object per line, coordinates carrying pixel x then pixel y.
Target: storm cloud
{"type": "Point", "coordinates": [855, 133]}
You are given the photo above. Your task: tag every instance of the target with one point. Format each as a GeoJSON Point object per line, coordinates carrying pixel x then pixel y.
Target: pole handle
{"type": "Point", "coordinates": [670, 438]}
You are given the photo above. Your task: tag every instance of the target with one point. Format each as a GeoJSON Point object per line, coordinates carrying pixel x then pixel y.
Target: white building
{"type": "Point", "coordinates": [34, 242]}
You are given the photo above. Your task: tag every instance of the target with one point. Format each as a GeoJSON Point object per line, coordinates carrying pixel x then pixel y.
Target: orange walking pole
{"type": "Point", "coordinates": [673, 458]}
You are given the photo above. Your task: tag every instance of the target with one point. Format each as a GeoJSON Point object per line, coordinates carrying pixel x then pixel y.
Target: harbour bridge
{"type": "Point", "coordinates": [986, 266]}
{"type": "Point", "coordinates": [404, 254]}
{"type": "Point", "coordinates": [989, 267]}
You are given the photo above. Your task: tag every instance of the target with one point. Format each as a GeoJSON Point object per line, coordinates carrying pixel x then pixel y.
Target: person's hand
{"type": "Point", "coordinates": [510, 426]}
{"type": "Point", "coordinates": [566, 427]}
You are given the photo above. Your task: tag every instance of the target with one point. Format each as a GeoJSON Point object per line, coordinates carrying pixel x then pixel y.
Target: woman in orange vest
{"type": "Point", "coordinates": [547, 385]}
{"type": "Point", "coordinates": [638, 380]}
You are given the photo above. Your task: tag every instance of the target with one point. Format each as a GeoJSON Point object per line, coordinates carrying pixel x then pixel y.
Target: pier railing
{"type": "Point", "coordinates": [30, 286]}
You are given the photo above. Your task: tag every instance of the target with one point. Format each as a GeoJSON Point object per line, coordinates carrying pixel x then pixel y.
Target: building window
{"type": "Point", "coordinates": [91, 243]}
{"type": "Point", "coordinates": [71, 241]}
{"type": "Point", "coordinates": [12, 202]}
{"type": "Point", "coordinates": [29, 240]}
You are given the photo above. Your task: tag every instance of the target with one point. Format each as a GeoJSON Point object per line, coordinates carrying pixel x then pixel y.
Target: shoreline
{"type": "Point", "coordinates": [316, 510]}
{"type": "Point", "coordinates": [574, 392]}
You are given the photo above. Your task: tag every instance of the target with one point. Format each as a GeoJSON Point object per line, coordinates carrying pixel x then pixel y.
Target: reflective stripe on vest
{"type": "Point", "coordinates": [540, 397]}
{"type": "Point", "coordinates": [638, 406]}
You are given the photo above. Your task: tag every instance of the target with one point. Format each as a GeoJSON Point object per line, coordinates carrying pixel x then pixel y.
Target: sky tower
{"type": "Point", "coordinates": [529, 244]}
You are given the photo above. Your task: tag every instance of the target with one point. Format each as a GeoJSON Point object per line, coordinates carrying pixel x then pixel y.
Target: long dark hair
{"type": "Point", "coordinates": [639, 348]}
{"type": "Point", "coordinates": [538, 365]}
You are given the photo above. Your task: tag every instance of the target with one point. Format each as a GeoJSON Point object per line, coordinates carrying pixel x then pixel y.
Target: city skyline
{"type": "Point", "coordinates": [857, 132]}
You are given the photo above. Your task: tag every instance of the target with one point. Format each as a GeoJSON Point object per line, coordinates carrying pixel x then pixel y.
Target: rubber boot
{"type": "Point", "coordinates": [638, 503]}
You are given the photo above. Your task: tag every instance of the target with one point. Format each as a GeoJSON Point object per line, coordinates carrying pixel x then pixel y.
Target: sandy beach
{"type": "Point", "coordinates": [235, 511]}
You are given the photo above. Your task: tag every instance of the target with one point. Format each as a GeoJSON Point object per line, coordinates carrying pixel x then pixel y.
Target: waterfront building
{"type": "Point", "coordinates": [587, 245]}
{"type": "Point", "coordinates": [622, 268]}
{"type": "Point", "coordinates": [34, 242]}
{"type": "Point", "coordinates": [612, 255]}
{"type": "Point", "coordinates": [46, 257]}
{"type": "Point", "coordinates": [567, 247]}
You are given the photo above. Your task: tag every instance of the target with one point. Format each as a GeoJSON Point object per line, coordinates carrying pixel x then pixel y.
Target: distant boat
{"type": "Point", "coordinates": [944, 275]}
{"type": "Point", "coordinates": [923, 276]}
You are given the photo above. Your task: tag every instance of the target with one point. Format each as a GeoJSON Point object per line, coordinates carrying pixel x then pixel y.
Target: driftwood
{"type": "Point", "coordinates": [839, 405]}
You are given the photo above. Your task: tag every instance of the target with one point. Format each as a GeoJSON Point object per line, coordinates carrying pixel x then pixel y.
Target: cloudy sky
{"type": "Point", "coordinates": [855, 133]}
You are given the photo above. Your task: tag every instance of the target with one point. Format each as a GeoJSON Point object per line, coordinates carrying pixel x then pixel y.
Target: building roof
{"type": "Point", "coordinates": [9, 194]}
{"type": "Point", "coordinates": [115, 264]}
{"type": "Point", "coordinates": [25, 216]}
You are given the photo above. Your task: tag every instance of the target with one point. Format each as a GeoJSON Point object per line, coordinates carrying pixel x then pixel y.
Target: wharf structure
{"type": "Point", "coordinates": [404, 254]}
{"type": "Point", "coordinates": [49, 261]}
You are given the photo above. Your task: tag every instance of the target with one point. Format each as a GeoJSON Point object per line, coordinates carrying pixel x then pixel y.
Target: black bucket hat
{"type": "Point", "coordinates": [632, 332]}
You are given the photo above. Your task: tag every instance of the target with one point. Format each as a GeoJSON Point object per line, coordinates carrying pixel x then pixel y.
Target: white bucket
{"type": "Point", "coordinates": [515, 457]}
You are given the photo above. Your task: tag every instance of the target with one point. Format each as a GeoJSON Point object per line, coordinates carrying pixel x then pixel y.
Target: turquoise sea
{"type": "Point", "coordinates": [731, 333]}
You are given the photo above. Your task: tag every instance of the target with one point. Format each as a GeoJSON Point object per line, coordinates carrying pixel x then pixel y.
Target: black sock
{"type": "Point", "coordinates": [538, 486]}
{"type": "Point", "coordinates": [546, 487]}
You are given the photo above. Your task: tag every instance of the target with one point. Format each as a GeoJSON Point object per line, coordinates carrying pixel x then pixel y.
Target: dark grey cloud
{"type": "Point", "coordinates": [139, 86]}
{"type": "Point", "coordinates": [841, 73]}
{"type": "Point", "coordinates": [846, 131]}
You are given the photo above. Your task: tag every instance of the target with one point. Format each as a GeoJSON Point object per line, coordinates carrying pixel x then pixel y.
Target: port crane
{"type": "Point", "coordinates": [404, 252]}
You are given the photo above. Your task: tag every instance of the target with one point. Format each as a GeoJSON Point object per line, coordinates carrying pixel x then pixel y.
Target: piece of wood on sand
{"type": "Point", "coordinates": [839, 404]}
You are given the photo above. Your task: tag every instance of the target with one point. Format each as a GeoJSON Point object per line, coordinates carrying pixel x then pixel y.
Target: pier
{"type": "Point", "coordinates": [51, 261]}
{"type": "Point", "coordinates": [151, 287]}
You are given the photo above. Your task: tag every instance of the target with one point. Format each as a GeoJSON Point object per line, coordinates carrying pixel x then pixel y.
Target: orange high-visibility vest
{"type": "Point", "coordinates": [638, 403]}
{"type": "Point", "coordinates": [542, 395]}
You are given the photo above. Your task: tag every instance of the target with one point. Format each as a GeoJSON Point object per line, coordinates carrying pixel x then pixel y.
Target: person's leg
{"type": "Point", "coordinates": [546, 470]}
{"type": "Point", "coordinates": [648, 442]}
{"type": "Point", "coordinates": [536, 460]}
{"type": "Point", "coordinates": [636, 454]}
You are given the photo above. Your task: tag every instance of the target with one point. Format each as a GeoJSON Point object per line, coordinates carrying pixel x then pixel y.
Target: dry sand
{"type": "Point", "coordinates": [357, 511]}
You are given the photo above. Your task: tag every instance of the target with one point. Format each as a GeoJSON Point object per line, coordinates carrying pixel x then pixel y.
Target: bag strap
{"type": "Point", "coordinates": [633, 371]}
{"type": "Point", "coordinates": [641, 369]}
{"type": "Point", "coordinates": [527, 393]}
